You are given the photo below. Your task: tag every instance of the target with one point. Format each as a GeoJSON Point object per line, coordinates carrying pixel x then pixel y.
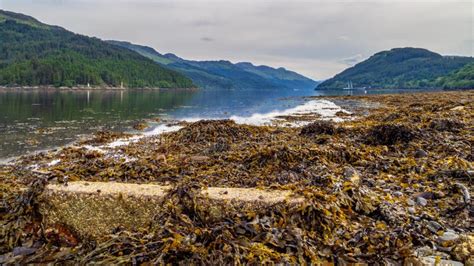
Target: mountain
{"type": "Point", "coordinates": [459, 79]}
{"type": "Point", "coordinates": [224, 74]}
{"type": "Point", "coordinates": [398, 68]}
{"type": "Point", "coordinates": [33, 53]}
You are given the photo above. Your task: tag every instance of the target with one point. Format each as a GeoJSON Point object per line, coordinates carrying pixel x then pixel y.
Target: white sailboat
{"type": "Point", "coordinates": [349, 86]}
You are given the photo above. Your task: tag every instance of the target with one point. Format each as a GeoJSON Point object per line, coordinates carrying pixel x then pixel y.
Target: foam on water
{"type": "Point", "coordinates": [326, 109]}
{"type": "Point", "coordinates": [160, 129]}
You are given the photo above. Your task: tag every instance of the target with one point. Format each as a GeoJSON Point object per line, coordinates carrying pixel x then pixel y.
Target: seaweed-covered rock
{"type": "Point", "coordinates": [318, 128]}
{"type": "Point", "coordinates": [140, 126]}
{"type": "Point", "coordinates": [451, 125]}
{"type": "Point", "coordinates": [102, 137]}
{"type": "Point", "coordinates": [388, 134]}
{"type": "Point", "coordinates": [206, 131]}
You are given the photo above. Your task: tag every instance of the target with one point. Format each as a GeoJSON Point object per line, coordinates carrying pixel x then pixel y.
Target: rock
{"type": "Point", "coordinates": [429, 252]}
{"type": "Point", "coordinates": [452, 125]}
{"type": "Point", "coordinates": [434, 227]}
{"type": "Point", "coordinates": [410, 202]}
{"type": "Point", "coordinates": [425, 195]}
{"type": "Point", "coordinates": [448, 237]}
{"type": "Point", "coordinates": [22, 251]}
{"type": "Point", "coordinates": [398, 194]}
{"type": "Point", "coordinates": [411, 210]}
{"type": "Point", "coordinates": [421, 201]}
{"type": "Point", "coordinates": [351, 174]}
{"type": "Point", "coordinates": [439, 262]}
{"type": "Point", "coordinates": [465, 192]}
{"type": "Point", "coordinates": [458, 108]}
{"type": "Point", "coordinates": [421, 154]}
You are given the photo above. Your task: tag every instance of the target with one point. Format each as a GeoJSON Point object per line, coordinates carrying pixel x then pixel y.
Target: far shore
{"type": "Point", "coordinates": [86, 88]}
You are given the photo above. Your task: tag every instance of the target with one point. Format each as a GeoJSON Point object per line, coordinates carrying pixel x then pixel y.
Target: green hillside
{"type": "Point", "coordinates": [33, 53]}
{"type": "Point", "coordinates": [459, 79]}
{"type": "Point", "coordinates": [222, 74]}
{"type": "Point", "coordinates": [399, 68]}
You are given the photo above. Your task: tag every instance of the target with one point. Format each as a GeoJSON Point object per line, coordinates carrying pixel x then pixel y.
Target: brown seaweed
{"type": "Point", "coordinates": [387, 187]}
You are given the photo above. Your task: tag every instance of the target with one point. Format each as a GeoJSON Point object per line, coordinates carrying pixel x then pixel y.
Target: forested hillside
{"type": "Point", "coordinates": [399, 68]}
{"type": "Point", "coordinates": [33, 53]}
{"type": "Point", "coordinates": [459, 79]}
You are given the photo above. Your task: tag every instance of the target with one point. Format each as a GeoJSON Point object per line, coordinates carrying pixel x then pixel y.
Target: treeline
{"type": "Point", "coordinates": [460, 79]}
{"type": "Point", "coordinates": [37, 54]}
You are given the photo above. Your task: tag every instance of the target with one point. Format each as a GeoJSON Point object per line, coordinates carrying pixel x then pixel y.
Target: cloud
{"type": "Point", "coordinates": [203, 23]}
{"type": "Point", "coordinates": [343, 38]}
{"type": "Point", "coordinates": [207, 39]}
{"type": "Point", "coordinates": [352, 60]}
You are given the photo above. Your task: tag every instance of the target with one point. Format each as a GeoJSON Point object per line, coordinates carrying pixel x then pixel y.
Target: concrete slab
{"type": "Point", "coordinates": [94, 209]}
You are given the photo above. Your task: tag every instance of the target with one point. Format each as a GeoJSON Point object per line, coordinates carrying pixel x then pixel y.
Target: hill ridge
{"type": "Point", "coordinates": [33, 53]}
{"type": "Point", "coordinates": [225, 74]}
{"type": "Point", "coordinates": [405, 67]}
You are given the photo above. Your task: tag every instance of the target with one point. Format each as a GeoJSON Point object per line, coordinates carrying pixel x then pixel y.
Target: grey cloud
{"type": "Point", "coordinates": [352, 60]}
{"type": "Point", "coordinates": [207, 39]}
{"type": "Point", "coordinates": [203, 23]}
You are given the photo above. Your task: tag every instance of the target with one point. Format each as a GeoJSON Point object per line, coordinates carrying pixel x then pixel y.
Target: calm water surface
{"type": "Point", "coordinates": [32, 120]}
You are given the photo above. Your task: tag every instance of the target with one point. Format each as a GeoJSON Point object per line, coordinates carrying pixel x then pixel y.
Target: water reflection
{"type": "Point", "coordinates": [45, 118]}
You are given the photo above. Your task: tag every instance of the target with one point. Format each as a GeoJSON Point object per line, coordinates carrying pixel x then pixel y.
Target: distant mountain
{"type": "Point", "coordinates": [398, 68]}
{"type": "Point", "coordinates": [33, 53]}
{"type": "Point", "coordinates": [224, 74]}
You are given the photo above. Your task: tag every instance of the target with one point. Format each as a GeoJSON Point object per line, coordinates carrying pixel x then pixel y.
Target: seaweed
{"type": "Point", "coordinates": [318, 128]}
{"type": "Point", "coordinates": [140, 126]}
{"type": "Point", "coordinates": [390, 134]}
{"type": "Point", "coordinates": [373, 190]}
{"type": "Point", "coordinates": [452, 125]}
{"type": "Point", "coordinates": [102, 137]}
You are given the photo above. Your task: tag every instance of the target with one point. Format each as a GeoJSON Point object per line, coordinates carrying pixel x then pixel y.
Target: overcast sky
{"type": "Point", "coordinates": [315, 38]}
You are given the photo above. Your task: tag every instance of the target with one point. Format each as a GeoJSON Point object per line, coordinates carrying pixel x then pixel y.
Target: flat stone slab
{"type": "Point", "coordinates": [110, 188]}
{"type": "Point", "coordinates": [95, 209]}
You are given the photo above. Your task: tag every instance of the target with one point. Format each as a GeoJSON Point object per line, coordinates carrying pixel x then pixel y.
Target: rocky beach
{"type": "Point", "coordinates": [384, 179]}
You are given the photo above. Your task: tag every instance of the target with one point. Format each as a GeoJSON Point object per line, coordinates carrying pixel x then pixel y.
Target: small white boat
{"type": "Point", "coordinates": [349, 86]}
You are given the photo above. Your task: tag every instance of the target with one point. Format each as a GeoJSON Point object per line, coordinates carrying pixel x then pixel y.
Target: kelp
{"type": "Point", "coordinates": [389, 134]}
{"type": "Point", "coordinates": [140, 126]}
{"type": "Point", "coordinates": [389, 185]}
{"type": "Point", "coordinates": [318, 128]}
{"type": "Point", "coordinates": [102, 137]}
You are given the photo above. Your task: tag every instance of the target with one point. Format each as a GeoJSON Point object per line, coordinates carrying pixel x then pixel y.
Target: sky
{"type": "Point", "coordinates": [315, 38]}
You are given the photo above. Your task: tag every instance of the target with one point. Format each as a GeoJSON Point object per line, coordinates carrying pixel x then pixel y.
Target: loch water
{"type": "Point", "coordinates": [38, 119]}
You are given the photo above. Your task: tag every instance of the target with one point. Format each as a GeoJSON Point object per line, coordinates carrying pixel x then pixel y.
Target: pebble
{"type": "Point", "coordinates": [421, 154]}
{"type": "Point", "coordinates": [458, 108]}
{"type": "Point", "coordinates": [448, 236]}
{"type": "Point", "coordinates": [398, 194]}
{"type": "Point", "coordinates": [21, 251]}
{"type": "Point", "coordinates": [411, 210]}
{"type": "Point", "coordinates": [434, 227]}
{"type": "Point", "coordinates": [351, 174]}
{"type": "Point", "coordinates": [432, 261]}
{"type": "Point", "coordinates": [410, 202]}
{"type": "Point", "coordinates": [421, 201]}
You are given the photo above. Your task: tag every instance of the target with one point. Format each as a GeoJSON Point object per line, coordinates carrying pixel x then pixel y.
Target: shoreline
{"type": "Point", "coordinates": [85, 88]}
{"type": "Point", "coordinates": [391, 182]}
